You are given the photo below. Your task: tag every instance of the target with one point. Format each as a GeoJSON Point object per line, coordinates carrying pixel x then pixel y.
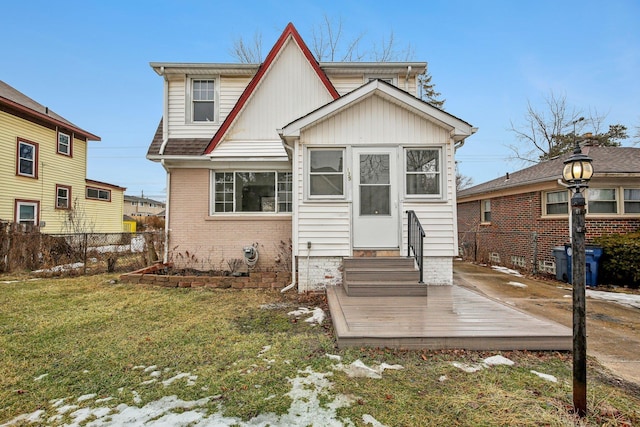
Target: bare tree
{"type": "Point", "coordinates": [248, 53]}
{"type": "Point", "coordinates": [538, 135]}
{"type": "Point", "coordinates": [326, 41]}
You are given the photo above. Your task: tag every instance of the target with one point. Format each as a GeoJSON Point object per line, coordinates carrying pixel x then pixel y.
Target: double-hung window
{"type": "Point", "coordinates": [632, 200]}
{"type": "Point", "coordinates": [64, 144]}
{"type": "Point", "coordinates": [557, 202]}
{"type": "Point", "coordinates": [63, 197]}
{"type": "Point", "coordinates": [485, 211]}
{"type": "Point", "coordinates": [602, 201]}
{"type": "Point", "coordinates": [326, 173]}
{"type": "Point", "coordinates": [203, 100]}
{"type": "Point", "coordinates": [423, 172]}
{"type": "Point", "coordinates": [252, 192]}
{"type": "Point", "coordinates": [27, 159]}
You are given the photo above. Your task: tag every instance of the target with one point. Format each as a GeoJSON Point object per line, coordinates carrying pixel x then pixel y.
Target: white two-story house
{"type": "Point", "coordinates": [327, 156]}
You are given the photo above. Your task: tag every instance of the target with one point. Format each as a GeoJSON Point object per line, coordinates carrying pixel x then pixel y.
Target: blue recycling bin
{"type": "Point", "coordinates": [560, 255]}
{"type": "Point", "coordinates": [592, 263]}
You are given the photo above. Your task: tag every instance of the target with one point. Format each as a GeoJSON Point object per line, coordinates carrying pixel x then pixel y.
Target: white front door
{"type": "Point", "coordinates": [375, 198]}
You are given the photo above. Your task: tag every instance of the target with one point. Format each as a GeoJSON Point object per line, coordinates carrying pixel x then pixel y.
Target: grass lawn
{"type": "Point", "coordinates": [88, 351]}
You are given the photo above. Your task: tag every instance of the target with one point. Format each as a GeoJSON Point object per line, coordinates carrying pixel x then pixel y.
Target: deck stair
{"type": "Point", "coordinates": [382, 276]}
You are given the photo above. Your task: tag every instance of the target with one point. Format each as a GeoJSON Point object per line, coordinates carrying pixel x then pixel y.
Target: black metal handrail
{"type": "Point", "coordinates": [415, 240]}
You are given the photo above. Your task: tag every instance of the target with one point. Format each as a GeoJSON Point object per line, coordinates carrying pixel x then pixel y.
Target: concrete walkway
{"type": "Point", "coordinates": [613, 330]}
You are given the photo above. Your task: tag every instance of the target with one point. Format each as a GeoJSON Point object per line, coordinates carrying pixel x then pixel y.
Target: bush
{"type": "Point", "coordinates": [619, 263]}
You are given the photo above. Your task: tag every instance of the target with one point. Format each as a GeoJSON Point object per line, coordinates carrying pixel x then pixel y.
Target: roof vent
{"type": "Point", "coordinates": [507, 177]}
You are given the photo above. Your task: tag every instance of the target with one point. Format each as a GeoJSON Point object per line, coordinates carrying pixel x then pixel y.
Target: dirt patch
{"type": "Point", "coordinates": [613, 329]}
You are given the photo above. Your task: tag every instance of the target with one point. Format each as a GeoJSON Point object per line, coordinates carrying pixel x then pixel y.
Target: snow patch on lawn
{"type": "Point", "coordinates": [39, 377]}
{"type": "Point", "coordinates": [486, 363]}
{"type": "Point", "coordinates": [317, 315]}
{"type": "Point", "coordinates": [517, 284]}
{"type": "Point", "coordinates": [507, 270]}
{"type": "Point", "coordinates": [629, 300]}
{"type": "Point", "coordinates": [358, 369]}
{"type": "Point", "coordinates": [545, 376]}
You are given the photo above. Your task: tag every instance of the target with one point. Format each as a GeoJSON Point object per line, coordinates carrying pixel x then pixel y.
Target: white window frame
{"type": "Point", "coordinates": [67, 198]}
{"type": "Point", "coordinates": [232, 193]}
{"type": "Point", "coordinates": [343, 173]}
{"type": "Point", "coordinates": [189, 101]}
{"type": "Point", "coordinates": [441, 181]}
{"type": "Point", "coordinates": [391, 79]}
{"type": "Point", "coordinates": [36, 210]}
{"type": "Point", "coordinates": [101, 192]}
{"type": "Point", "coordinates": [34, 161]}
{"type": "Point", "coordinates": [68, 144]}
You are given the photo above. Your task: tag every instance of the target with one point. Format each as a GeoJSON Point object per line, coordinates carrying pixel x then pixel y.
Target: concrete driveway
{"type": "Point", "coordinates": [613, 330]}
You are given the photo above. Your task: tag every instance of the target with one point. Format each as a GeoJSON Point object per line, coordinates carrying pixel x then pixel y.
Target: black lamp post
{"type": "Point", "coordinates": [577, 172]}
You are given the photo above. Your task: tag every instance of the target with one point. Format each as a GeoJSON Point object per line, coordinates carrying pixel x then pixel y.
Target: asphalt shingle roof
{"type": "Point", "coordinates": [606, 160]}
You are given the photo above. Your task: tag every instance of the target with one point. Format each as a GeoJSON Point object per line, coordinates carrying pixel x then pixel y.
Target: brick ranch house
{"type": "Point", "coordinates": [516, 220]}
{"type": "Point", "coordinates": [326, 156]}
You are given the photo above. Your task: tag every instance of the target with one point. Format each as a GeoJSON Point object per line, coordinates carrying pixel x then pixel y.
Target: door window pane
{"type": "Point", "coordinates": [375, 195]}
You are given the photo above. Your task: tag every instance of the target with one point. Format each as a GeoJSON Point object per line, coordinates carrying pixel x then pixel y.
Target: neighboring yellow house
{"type": "Point", "coordinates": [43, 173]}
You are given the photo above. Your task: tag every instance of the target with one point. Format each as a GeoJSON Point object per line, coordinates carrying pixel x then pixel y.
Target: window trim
{"type": "Point", "coordinates": [307, 174]}
{"type": "Point", "coordinates": [189, 100]}
{"type": "Point", "coordinates": [624, 201]}
{"type": "Point", "coordinates": [35, 160]}
{"type": "Point", "coordinates": [368, 78]}
{"type": "Point", "coordinates": [70, 144]}
{"type": "Point", "coordinates": [98, 189]}
{"type": "Point", "coordinates": [615, 201]}
{"type": "Point", "coordinates": [57, 199]}
{"type": "Point", "coordinates": [213, 192]}
{"type": "Point", "coordinates": [619, 203]}
{"type": "Point", "coordinates": [441, 196]}
{"type": "Point", "coordinates": [16, 212]}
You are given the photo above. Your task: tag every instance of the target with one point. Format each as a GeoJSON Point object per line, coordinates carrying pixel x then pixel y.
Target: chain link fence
{"type": "Point", "coordinates": [530, 252]}
{"type": "Point", "coordinates": [24, 248]}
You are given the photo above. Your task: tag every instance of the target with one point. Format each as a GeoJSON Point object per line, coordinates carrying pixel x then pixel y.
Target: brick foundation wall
{"type": "Point", "coordinates": [203, 242]}
{"type": "Point", "coordinates": [318, 272]}
{"type": "Point", "coordinates": [519, 237]}
{"type": "Point", "coordinates": [438, 270]}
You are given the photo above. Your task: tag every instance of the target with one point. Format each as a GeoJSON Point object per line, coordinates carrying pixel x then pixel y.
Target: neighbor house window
{"type": "Point", "coordinates": [27, 159]}
{"type": "Point", "coordinates": [602, 201]}
{"type": "Point", "coordinates": [388, 79]}
{"type": "Point", "coordinates": [485, 210]}
{"type": "Point", "coordinates": [63, 196]}
{"type": "Point", "coordinates": [27, 212]}
{"type": "Point", "coordinates": [326, 173]}
{"type": "Point", "coordinates": [203, 100]}
{"type": "Point", "coordinates": [98, 194]}
{"type": "Point", "coordinates": [252, 192]}
{"type": "Point", "coordinates": [631, 200]}
{"type": "Point", "coordinates": [557, 203]}
{"type": "Point", "coordinates": [64, 144]}
{"type": "Point", "coordinates": [423, 173]}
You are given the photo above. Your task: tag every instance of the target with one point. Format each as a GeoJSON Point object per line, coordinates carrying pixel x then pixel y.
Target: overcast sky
{"type": "Point", "coordinates": [89, 62]}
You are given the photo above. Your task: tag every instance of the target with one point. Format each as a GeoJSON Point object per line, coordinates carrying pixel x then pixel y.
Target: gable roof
{"type": "Point", "coordinates": [15, 102]}
{"type": "Point", "coordinates": [458, 127]}
{"type": "Point", "coordinates": [289, 32]}
{"type": "Point", "coordinates": [611, 161]}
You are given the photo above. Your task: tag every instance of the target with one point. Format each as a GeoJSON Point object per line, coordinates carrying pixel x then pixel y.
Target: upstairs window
{"type": "Point", "coordinates": [602, 201]}
{"type": "Point", "coordinates": [423, 173]}
{"type": "Point", "coordinates": [557, 203]}
{"type": "Point", "coordinates": [63, 196]}
{"type": "Point", "coordinates": [27, 159]}
{"type": "Point", "coordinates": [98, 194]}
{"type": "Point", "coordinates": [64, 144]}
{"type": "Point", "coordinates": [203, 100]}
{"type": "Point", "coordinates": [631, 200]}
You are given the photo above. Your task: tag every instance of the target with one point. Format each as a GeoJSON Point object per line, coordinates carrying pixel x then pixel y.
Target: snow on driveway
{"type": "Point", "coordinates": [629, 300]}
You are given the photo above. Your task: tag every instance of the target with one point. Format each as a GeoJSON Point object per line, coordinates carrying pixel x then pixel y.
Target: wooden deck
{"type": "Point", "coordinates": [449, 317]}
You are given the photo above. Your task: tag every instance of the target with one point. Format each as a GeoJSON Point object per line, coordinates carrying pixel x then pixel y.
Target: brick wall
{"type": "Point", "coordinates": [517, 231]}
{"type": "Point", "coordinates": [438, 270]}
{"type": "Point", "coordinates": [318, 272]}
{"type": "Point", "coordinates": [203, 242]}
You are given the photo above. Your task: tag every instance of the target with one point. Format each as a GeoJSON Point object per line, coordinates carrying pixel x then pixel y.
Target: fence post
{"type": "Point", "coordinates": [84, 268]}
{"type": "Point", "coordinates": [535, 252]}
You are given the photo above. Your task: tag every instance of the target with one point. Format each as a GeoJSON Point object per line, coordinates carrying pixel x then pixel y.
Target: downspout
{"type": "Point", "coordinates": [406, 79]}
{"type": "Point", "coordinates": [165, 256]}
{"type": "Point", "coordinates": [294, 216]}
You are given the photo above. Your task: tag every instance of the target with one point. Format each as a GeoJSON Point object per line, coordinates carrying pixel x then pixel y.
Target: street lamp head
{"type": "Point", "coordinates": [577, 169]}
